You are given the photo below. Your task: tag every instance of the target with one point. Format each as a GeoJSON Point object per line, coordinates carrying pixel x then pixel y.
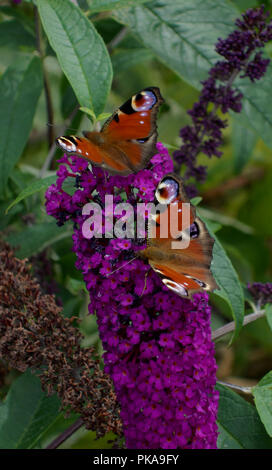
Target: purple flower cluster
{"type": "Point", "coordinates": [240, 58]}
{"type": "Point", "coordinates": [261, 292]}
{"type": "Point", "coordinates": [157, 345]}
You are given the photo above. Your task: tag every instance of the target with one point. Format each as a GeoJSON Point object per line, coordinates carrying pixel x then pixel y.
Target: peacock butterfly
{"type": "Point", "coordinates": [184, 271]}
{"type": "Point", "coordinates": [126, 141]}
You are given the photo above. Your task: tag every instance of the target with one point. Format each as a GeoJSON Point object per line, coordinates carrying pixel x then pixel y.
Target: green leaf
{"type": "Point", "coordinates": [13, 34]}
{"type": "Point", "coordinates": [39, 185]}
{"type": "Point", "coordinates": [268, 314]}
{"type": "Point", "coordinates": [257, 109]}
{"type": "Point", "coordinates": [255, 210]}
{"type": "Point", "coordinates": [81, 51]}
{"type": "Point", "coordinates": [75, 286]}
{"type": "Point", "coordinates": [263, 399]}
{"type": "Point", "coordinates": [68, 98]}
{"type": "Point", "coordinates": [217, 217]}
{"type": "Point", "coordinates": [103, 116]}
{"type": "Point", "coordinates": [123, 59]}
{"type": "Point", "coordinates": [26, 414]}
{"type": "Point", "coordinates": [226, 277]}
{"type": "Point", "coordinates": [239, 424]}
{"type": "Point", "coordinates": [20, 88]}
{"type": "Point", "coordinates": [105, 5]}
{"type": "Point", "coordinates": [196, 200]}
{"type": "Point", "coordinates": [243, 140]}
{"type": "Point", "coordinates": [19, 14]}
{"type": "Point", "coordinates": [88, 111]}
{"type": "Point", "coordinates": [41, 235]}
{"type": "Point", "coordinates": [36, 186]}
{"type": "Point", "coordinates": [182, 34]}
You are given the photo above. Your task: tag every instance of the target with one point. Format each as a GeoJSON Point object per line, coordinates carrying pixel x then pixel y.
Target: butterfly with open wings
{"type": "Point", "coordinates": [125, 144]}
{"type": "Point", "coordinates": [126, 141]}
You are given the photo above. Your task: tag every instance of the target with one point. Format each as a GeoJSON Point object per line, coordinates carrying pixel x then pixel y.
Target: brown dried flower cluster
{"type": "Point", "coordinates": [34, 334]}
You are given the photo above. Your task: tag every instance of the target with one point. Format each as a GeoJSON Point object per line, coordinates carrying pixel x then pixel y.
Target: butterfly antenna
{"type": "Point", "coordinates": [120, 267]}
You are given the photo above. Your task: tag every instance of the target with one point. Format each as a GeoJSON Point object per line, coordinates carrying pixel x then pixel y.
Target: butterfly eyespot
{"type": "Point", "coordinates": [167, 191]}
{"type": "Point", "coordinates": [67, 143]}
{"type": "Point", "coordinates": [200, 283]}
{"type": "Point", "coordinates": [178, 288]}
{"type": "Point", "coordinates": [194, 230]}
{"type": "Point", "coordinates": [141, 141]}
{"type": "Point", "coordinates": [138, 97]}
{"type": "Point", "coordinates": [143, 101]}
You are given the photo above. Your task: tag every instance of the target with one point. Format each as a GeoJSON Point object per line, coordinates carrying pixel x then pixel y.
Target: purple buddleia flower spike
{"type": "Point", "coordinates": [157, 345]}
{"type": "Point", "coordinates": [261, 292]}
{"type": "Point", "coordinates": [242, 57]}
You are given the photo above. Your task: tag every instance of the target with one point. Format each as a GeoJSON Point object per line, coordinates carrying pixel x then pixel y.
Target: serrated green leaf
{"type": "Point", "coordinates": [20, 88]}
{"type": "Point", "coordinates": [239, 424]}
{"type": "Point", "coordinates": [263, 400]}
{"type": "Point", "coordinates": [182, 34]}
{"type": "Point", "coordinates": [226, 277]}
{"type": "Point", "coordinates": [26, 414]}
{"type": "Point", "coordinates": [81, 51]}
{"type": "Point", "coordinates": [106, 5]}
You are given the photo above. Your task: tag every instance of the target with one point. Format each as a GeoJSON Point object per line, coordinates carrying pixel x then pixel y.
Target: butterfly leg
{"type": "Point", "coordinates": [146, 274]}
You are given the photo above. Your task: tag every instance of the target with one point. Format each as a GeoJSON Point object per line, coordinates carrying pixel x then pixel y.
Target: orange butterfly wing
{"type": "Point", "coordinates": [186, 270]}
{"type": "Point", "coordinates": [127, 140]}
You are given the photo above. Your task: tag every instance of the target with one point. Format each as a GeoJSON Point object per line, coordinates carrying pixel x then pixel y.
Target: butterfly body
{"type": "Point", "coordinates": [126, 141]}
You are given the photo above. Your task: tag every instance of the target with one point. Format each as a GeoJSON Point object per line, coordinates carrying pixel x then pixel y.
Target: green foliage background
{"type": "Point", "coordinates": [95, 54]}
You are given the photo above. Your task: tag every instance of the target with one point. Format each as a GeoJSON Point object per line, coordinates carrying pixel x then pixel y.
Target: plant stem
{"type": "Point", "coordinates": [231, 326]}
{"type": "Point", "coordinates": [117, 39]}
{"type": "Point", "coordinates": [67, 433]}
{"type": "Point", "coordinates": [248, 177]}
{"type": "Point", "coordinates": [47, 91]}
{"type": "Point", "coordinates": [239, 388]}
{"type": "Point", "coordinates": [52, 150]}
